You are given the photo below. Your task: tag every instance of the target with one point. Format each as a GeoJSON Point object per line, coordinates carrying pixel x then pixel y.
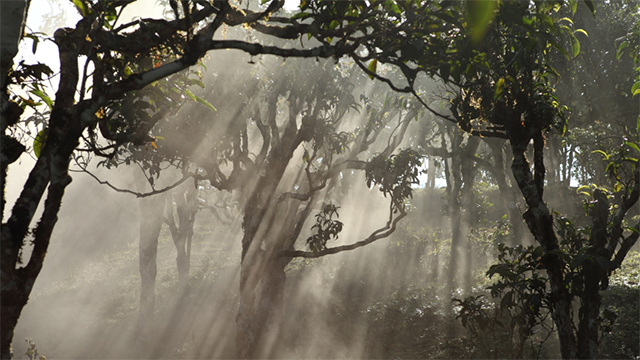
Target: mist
{"type": "Point", "coordinates": [301, 208]}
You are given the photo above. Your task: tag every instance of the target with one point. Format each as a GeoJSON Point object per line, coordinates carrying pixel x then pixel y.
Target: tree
{"type": "Point", "coordinates": [126, 57]}
{"type": "Point", "coordinates": [278, 190]}
{"type": "Point", "coordinates": [508, 93]}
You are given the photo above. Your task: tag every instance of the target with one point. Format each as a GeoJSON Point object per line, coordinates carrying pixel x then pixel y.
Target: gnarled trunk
{"type": "Point", "coordinates": [540, 222]}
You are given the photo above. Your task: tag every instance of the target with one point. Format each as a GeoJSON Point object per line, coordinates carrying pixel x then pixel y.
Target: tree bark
{"type": "Point", "coordinates": [50, 171]}
{"type": "Point", "coordinates": [540, 222]}
{"type": "Point", "coordinates": [186, 203]}
{"type": "Point", "coordinates": [14, 18]}
{"type": "Point", "coordinates": [151, 212]}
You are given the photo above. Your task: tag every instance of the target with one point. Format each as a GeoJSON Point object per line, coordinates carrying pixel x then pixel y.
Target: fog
{"type": "Point", "coordinates": [85, 302]}
{"type": "Point", "coordinates": [390, 298]}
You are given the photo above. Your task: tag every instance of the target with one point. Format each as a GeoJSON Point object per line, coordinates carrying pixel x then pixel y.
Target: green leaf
{"type": "Point", "coordinates": [373, 66]}
{"type": "Point", "coordinates": [499, 88]}
{"type": "Point", "coordinates": [190, 95]}
{"type": "Point", "coordinates": [638, 123]}
{"type": "Point", "coordinates": [621, 48]}
{"type": "Point", "coordinates": [581, 31]}
{"type": "Point", "coordinates": [630, 228]}
{"type": "Point", "coordinates": [39, 141]}
{"type": "Point", "coordinates": [43, 96]}
{"type": "Point", "coordinates": [604, 154]}
{"type": "Point", "coordinates": [582, 190]}
{"type": "Point", "coordinates": [632, 145]}
{"type": "Point", "coordinates": [479, 14]}
{"type": "Point", "coordinates": [574, 6]}
{"type": "Point", "coordinates": [300, 15]}
{"type": "Point", "coordinates": [635, 89]}
{"type": "Point", "coordinates": [591, 6]}
{"type": "Point", "coordinates": [575, 46]}
{"type": "Point", "coordinates": [82, 7]}
{"type": "Point", "coordinates": [206, 103]}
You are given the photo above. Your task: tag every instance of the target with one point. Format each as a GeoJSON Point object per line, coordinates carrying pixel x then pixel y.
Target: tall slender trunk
{"type": "Point", "coordinates": [469, 171]}
{"type": "Point", "coordinates": [509, 193]}
{"type": "Point", "coordinates": [455, 210]}
{"type": "Point", "coordinates": [151, 212]}
{"type": "Point", "coordinates": [186, 203]}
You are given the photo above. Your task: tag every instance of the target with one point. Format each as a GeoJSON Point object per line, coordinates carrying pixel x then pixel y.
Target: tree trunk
{"type": "Point", "coordinates": [509, 193]}
{"type": "Point", "coordinates": [182, 234]}
{"type": "Point", "coordinates": [49, 173]}
{"type": "Point", "coordinates": [469, 171]}
{"type": "Point", "coordinates": [540, 223]}
{"type": "Point", "coordinates": [151, 212]}
{"type": "Point", "coordinates": [14, 18]}
{"type": "Point", "coordinates": [455, 210]}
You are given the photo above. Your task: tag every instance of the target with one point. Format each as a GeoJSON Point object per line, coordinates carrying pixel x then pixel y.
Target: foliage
{"type": "Point", "coordinates": [326, 228]}
{"type": "Point", "coordinates": [395, 175]}
{"type": "Point", "coordinates": [32, 350]}
{"type": "Point", "coordinates": [518, 323]}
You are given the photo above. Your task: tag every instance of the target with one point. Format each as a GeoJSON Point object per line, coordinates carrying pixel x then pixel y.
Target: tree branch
{"type": "Point", "coordinates": [376, 235]}
{"type": "Point", "coordinates": [137, 194]}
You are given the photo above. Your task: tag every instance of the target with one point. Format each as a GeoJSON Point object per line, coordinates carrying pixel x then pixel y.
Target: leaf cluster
{"type": "Point", "coordinates": [395, 175]}
{"type": "Point", "coordinates": [326, 228]}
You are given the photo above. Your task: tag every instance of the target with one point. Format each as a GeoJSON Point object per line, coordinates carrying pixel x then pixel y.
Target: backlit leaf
{"type": "Point", "coordinates": [39, 141]}
{"type": "Point", "coordinates": [206, 103]}
{"type": "Point", "coordinates": [373, 66]}
{"type": "Point", "coordinates": [479, 15]}
{"type": "Point", "coordinates": [43, 96]}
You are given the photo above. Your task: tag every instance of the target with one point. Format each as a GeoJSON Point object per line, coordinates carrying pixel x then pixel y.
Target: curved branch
{"type": "Point", "coordinates": [376, 235]}
{"type": "Point", "coordinates": [137, 194]}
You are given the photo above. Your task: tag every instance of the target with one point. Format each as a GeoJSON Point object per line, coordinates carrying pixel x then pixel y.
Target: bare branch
{"type": "Point", "coordinates": [137, 194]}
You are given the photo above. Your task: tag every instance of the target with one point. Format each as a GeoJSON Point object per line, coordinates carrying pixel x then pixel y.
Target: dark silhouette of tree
{"type": "Point", "coordinates": [129, 57]}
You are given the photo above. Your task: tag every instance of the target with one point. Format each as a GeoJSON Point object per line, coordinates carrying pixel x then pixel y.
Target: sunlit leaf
{"type": "Point", "coordinates": [632, 229]}
{"type": "Point", "coordinates": [604, 154]}
{"type": "Point", "coordinates": [190, 95]}
{"type": "Point", "coordinates": [499, 88]}
{"type": "Point", "coordinates": [82, 7]}
{"type": "Point", "coordinates": [206, 103]}
{"type": "Point", "coordinates": [373, 66]}
{"type": "Point", "coordinates": [581, 31]}
{"type": "Point", "coordinates": [39, 141]}
{"type": "Point", "coordinates": [43, 96]}
{"type": "Point", "coordinates": [574, 6]}
{"type": "Point", "coordinates": [479, 15]}
{"type": "Point", "coordinates": [635, 89]}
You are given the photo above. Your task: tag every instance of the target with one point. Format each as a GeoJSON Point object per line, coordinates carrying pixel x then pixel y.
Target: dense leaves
{"type": "Point", "coordinates": [395, 175]}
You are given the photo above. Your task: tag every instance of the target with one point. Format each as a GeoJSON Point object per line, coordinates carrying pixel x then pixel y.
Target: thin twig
{"type": "Point", "coordinates": [127, 191]}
